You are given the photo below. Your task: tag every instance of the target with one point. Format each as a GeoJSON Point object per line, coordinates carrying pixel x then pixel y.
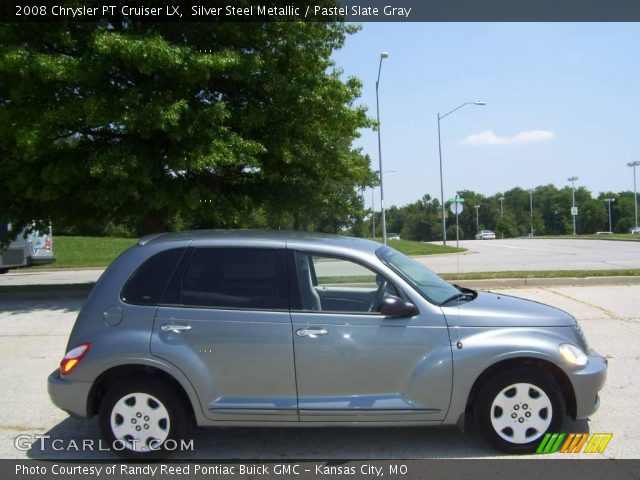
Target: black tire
{"type": "Point", "coordinates": [3, 271]}
{"type": "Point", "coordinates": [508, 389]}
{"type": "Point", "coordinates": [153, 395]}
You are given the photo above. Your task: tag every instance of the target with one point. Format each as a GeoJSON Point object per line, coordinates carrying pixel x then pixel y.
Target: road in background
{"type": "Point", "coordinates": [521, 254]}
{"type": "Point", "coordinates": [34, 335]}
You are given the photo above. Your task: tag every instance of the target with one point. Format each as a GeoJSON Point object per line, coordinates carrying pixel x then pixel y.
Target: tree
{"type": "Point", "coordinates": [506, 227]}
{"type": "Point", "coordinates": [214, 124]}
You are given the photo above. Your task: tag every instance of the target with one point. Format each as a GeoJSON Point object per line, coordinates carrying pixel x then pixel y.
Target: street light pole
{"type": "Point", "coordinates": [440, 117]}
{"type": "Point", "coordinates": [531, 208]}
{"type": "Point", "coordinates": [457, 221]}
{"type": "Point", "coordinates": [373, 214]}
{"type": "Point", "coordinates": [573, 196]}
{"type": "Point", "coordinates": [609, 200]}
{"type": "Point", "coordinates": [477, 218]}
{"type": "Point", "coordinates": [502, 214]}
{"type": "Point", "coordinates": [635, 191]}
{"type": "Point", "coordinates": [383, 55]}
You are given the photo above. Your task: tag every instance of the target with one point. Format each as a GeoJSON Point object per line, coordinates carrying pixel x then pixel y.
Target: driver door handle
{"type": "Point", "coordinates": [175, 328]}
{"type": "Point", "coordinates": [311, 332]}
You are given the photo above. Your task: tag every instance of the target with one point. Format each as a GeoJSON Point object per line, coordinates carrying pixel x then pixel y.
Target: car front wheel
{"type": "Point", "coordinates": [139, 416]}
{"type": "Point", "coordinates": [515, 408]}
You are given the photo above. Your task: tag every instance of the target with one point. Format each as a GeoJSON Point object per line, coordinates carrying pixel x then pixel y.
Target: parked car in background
{"type": "Point", "coordinates": [635, 230]}
{"type": "Point", "coordinates": [35, 248]}
{"type": "Point", "coordinates": [254, 328]}
{"type": "Point", "coordinates": [393, 236]}
{"type": "Point", "coordinates": [485, 235]}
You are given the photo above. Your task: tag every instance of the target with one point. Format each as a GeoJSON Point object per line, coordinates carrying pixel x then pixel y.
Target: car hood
{"type": "Point", "coordinates": [496, 310]}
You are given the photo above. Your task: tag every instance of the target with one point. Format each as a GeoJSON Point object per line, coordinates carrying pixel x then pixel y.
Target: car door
{"type": "Point", "coordinates": [224, 322]}
{"type": "Point", "coordinates": [354, 364]}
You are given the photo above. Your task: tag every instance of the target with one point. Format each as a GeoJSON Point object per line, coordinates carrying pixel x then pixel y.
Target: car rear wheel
{"type": "Point", "coordinates": [142, 418]}
{"type": "Point", "coordinates": [515, 408]}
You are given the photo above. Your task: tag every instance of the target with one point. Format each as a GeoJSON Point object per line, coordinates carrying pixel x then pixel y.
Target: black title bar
{"type": "Point", "coordinates": [324, 10]}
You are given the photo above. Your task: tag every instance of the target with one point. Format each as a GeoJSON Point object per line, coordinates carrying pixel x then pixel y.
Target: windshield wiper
{"type": "Point", "coordinates": [464, 294]}
{"type": "Point", "coordinates": [459, 296]}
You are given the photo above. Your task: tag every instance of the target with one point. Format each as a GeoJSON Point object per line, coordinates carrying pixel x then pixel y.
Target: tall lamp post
{"type": "Point", "coordinates": [383, 55]}
{"type": "Point", "coordinates": [573, 201]}
{"type": "Point", "coordinates": [373, 214]}
{"type": "Point", "coordinates": [477, 218]}
{"type": "Point", "coordinates": [502, 213]}
{"type": "Point", "coordinates": [440, 117]}
{"type": "Point", "coordinates": [531, 209]}
{"type": "Point", "coordinates": [635, 191]}
{"type": "Point", "coordinates": [609, 200]}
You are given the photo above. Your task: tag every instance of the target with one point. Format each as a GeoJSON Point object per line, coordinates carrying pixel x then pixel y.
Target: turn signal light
{"type": "Point", "coordinates": [73, 357]}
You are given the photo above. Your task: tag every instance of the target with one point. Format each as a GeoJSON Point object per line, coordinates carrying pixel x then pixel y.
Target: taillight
{"type": "Point", "coordinates": [73, 357]}
{"type": "Point", "coordinates": [47, 243]}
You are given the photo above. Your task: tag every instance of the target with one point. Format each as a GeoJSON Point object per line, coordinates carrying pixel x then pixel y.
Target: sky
{"type": "Point", "coordinates": [563, 99]}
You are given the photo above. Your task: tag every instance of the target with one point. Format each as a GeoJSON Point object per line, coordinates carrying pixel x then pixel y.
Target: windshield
{"type": "Point", "coordinates": [428, 284]}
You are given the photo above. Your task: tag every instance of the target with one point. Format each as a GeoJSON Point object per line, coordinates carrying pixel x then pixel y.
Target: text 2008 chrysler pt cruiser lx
{"type": "Point", "coordinates": [249, 328]}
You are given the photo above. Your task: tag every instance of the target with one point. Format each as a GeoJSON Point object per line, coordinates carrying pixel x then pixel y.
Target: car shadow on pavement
{"type": "Point", "coordinates": [19, 306]}
{"type": "Point", "coordinates": [74, 439]}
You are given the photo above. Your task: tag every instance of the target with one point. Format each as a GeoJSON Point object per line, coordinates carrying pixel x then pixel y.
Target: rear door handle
{"type": "Point", "coordinates": [311, 332]}
{"type": "Point", "coordinates": [175, 328]}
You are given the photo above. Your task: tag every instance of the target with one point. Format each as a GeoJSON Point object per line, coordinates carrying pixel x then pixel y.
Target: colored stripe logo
{"type": "Point", "coordinates": [574, 443]}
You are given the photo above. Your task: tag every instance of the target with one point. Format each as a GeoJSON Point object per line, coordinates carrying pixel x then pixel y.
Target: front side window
{"type": "Point", "coordinates": [252, 278]}
{"type": "Point", "coordinates": [430, 285]}
{"type": "Point", "coordinates": [335, 284]}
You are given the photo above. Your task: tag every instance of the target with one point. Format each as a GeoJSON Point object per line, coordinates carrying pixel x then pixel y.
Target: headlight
{"type": "Point", "coordinates": [573, 355]}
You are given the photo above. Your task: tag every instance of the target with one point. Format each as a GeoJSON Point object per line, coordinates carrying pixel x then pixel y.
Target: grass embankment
{"type": "Point", "coordinates": [409, 247]}
{"type": "Point", "coordinates": [591, 236]}
{"type": "Point", "coordinates": [634, 272]}
{"type": "Point", "coordinates": [87, 252]}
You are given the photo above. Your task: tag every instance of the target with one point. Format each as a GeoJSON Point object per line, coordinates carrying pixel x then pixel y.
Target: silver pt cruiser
{"type": "Point", "coordinates": [254, 328]}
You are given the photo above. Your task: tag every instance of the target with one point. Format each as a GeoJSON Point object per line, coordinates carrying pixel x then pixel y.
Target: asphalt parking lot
{"type": "Point", "coordinates": [34, 336]}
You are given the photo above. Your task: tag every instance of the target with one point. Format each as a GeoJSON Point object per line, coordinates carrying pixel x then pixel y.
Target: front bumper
{"type": "Point", "coordinates": [587, 382]}
{"type": "Point", "coordinates": [70, 396]}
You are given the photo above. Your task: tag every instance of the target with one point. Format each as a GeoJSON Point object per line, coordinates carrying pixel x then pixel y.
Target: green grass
{"type": "Point", "coordinates": [614, 236]}
{"type": "Point", "coordinates": [410, 247]}
{"type": "Point", "coordinates": [542, 274]}
{"type": "Point", "coordinates": [82, 252]}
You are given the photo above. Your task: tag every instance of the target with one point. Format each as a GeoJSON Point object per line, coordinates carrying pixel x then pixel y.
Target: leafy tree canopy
{"type": "Point", "coordinates": [214, 124]}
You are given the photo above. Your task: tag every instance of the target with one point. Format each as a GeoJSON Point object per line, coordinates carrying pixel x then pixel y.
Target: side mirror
{"type": "Point", "coordinates": [396, 307]}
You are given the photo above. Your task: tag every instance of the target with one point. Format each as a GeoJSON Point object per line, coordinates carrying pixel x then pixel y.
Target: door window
{"type": "Point", "coordinates": [335, 284]}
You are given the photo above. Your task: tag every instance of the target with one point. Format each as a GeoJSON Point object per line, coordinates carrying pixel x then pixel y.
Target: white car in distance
{"type": "Point", "coordinates": [485, 235]}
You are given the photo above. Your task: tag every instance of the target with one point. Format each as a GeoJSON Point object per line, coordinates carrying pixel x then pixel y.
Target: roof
{"type": "Point", "coordinates": [285, 236]}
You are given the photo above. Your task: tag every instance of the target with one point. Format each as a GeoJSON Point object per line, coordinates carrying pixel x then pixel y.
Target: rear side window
{"type": "Point", "coordinates": [253, 278]}
{"type": "Point", "coordinates": [146, 285]}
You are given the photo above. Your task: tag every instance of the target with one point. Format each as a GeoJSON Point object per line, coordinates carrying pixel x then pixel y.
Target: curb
{"type": "Point", "coordinates": [78, 294]}
{"type": "Point", "coordinates": [548, 282]}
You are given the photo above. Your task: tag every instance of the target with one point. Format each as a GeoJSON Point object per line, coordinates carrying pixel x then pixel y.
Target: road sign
{"type": "Point", "coordinates": [574, 211]}
{"type": "Point", "coordinates": [457, 199]}
{"type": "Point", "coordinates": [456, 208]}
